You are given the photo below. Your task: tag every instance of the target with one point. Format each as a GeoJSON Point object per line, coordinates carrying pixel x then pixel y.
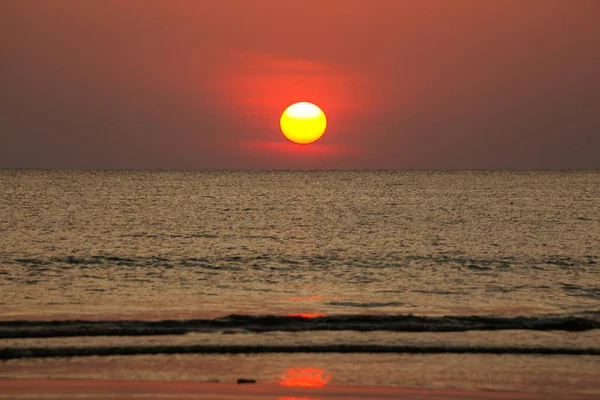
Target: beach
{"type": "Point", "coordinates": [302, 376]}
{"type": "Point", "coordinates": [105, 390]}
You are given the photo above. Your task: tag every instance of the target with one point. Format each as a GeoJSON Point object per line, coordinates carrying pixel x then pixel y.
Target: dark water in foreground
{"type": "Point", "coordinates": [486, 262]}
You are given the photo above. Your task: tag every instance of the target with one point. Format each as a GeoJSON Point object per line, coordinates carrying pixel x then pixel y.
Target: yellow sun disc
{"type": "Point", "coordinates": [303, 123]}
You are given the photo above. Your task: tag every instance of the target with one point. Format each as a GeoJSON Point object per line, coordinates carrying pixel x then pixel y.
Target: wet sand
{"type": "Point", "coordinates": [115, 390]}
{"type": "Point", "coordinates": [309, 376]}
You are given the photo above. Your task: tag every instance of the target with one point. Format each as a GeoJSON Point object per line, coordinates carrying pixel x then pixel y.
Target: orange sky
{"type": "Point", "coordinates": [201, 84]}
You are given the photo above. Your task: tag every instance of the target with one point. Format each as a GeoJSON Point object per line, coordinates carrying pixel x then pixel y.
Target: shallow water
{"type": "Point", "coordinates": [559, 376]}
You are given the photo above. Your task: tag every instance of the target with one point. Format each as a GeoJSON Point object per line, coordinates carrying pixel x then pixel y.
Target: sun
{"type": "Point", "coordinates": [303, 123]}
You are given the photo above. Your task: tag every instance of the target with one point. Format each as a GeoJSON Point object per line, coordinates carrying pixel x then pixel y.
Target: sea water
{"type": "Point", "coordinates": [393, 261]}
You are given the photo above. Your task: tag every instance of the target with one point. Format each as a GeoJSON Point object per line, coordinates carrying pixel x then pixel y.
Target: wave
{"type": "Point", "coordinates": [43, 352]}
{"type": "Point", "coordinates": [296, 323]}
{"type": "Point", "coordinates": [364, 305]}
{"type": "Point", "coordinates": [461, 262]}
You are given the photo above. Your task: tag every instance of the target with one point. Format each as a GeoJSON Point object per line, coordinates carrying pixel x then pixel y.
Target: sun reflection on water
{"type": "Point", "coordinates": [307, 315]}
{"type": "Point", "coordinates": [300, 377]}
{"type": "Point", "coordinates": [307, 298]}
{"type": "Point", "coordinates": [297, 398]}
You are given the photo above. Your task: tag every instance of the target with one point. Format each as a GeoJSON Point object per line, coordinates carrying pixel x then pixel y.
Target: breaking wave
{"type": "Point", "coordinates": [296, 323]}
{"type": "Point", "coordinates": [33, 352]}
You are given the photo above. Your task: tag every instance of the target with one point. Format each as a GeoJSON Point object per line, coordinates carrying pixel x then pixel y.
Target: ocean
{"type": "Point", "coordinates": [334, 270]}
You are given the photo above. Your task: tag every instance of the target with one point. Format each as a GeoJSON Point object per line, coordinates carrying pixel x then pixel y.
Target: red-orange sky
{"type": "Point", "coordinates": [201, 84]}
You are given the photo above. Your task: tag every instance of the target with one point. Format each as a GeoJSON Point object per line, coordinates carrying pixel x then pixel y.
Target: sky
{"type": "Point", "coordinates": [187, 84]}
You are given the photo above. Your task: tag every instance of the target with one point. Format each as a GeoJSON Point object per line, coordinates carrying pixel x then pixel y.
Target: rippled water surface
{"type": "Point", "coordinates": [142, 245]}
{"type": "Point", "coordinates": [472, 280]}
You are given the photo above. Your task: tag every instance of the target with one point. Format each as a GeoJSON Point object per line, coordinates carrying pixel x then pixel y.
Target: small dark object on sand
{"type": "Point", "coordinates": [242, 380]}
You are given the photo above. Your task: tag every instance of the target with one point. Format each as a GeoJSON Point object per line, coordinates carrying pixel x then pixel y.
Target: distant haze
{"type": "Point", "coordinates": [201, 84]}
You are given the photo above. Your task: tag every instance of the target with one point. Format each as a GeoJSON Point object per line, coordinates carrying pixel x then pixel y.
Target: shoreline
{"type": "Point", "coordinates": [121, 389]}
{"type": "Point", "coordinates": [58, 352]}
{"type": "Point", "coordinates": [558, 376]}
